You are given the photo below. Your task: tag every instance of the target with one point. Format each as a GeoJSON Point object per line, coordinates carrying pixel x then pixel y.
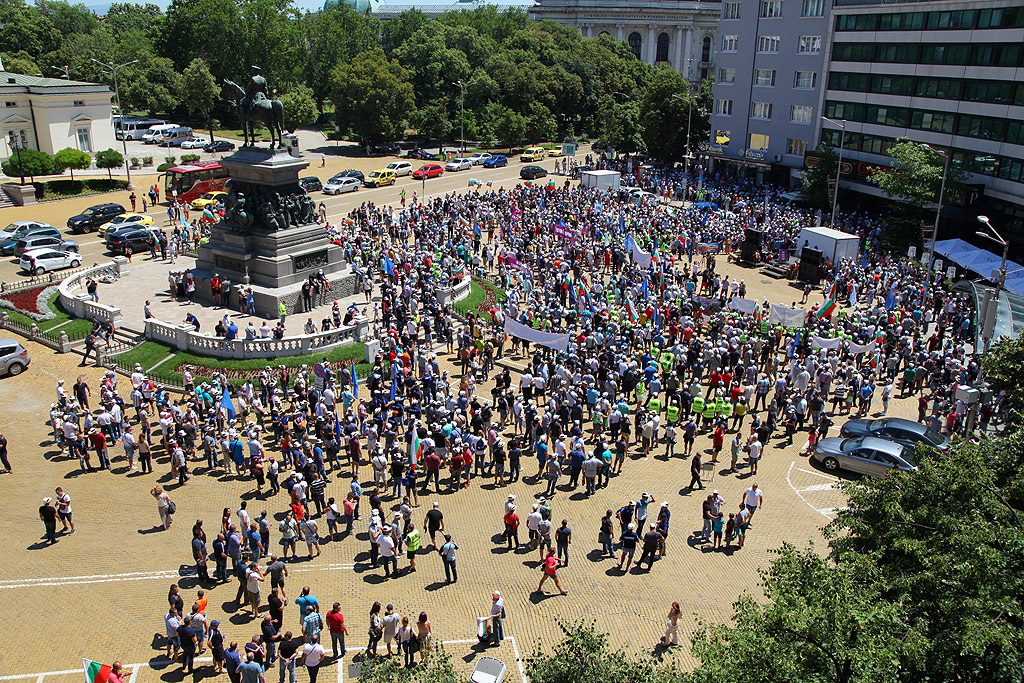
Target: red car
{"type": "Point", "coordinates": [428, 171]}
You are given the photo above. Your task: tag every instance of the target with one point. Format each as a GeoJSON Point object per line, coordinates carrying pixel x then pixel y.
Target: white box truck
{"type": "Point", "coordinates": [602, 180]}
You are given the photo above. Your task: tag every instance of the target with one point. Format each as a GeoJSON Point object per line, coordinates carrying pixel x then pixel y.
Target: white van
{"type": "Point", "coordinates": [174, 137]}
{"type": "Point", "coordinates": [151, 136]}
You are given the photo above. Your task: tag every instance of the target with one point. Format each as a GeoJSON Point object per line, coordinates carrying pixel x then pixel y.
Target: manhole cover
{"type": "Point", "coordinates": [766, 282]}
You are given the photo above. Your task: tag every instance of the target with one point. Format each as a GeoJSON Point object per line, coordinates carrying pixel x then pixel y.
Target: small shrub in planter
{"type": "Point", "coordinates": [164, 167]}
{"type": "Point", "coordinates": [147, 161]}
{"type": "Point", "coordinates": [170, 160]}
{"type": "Point", "coordinates": [189, 158]}
{"type": "Point", "coordinates": [135, 162]}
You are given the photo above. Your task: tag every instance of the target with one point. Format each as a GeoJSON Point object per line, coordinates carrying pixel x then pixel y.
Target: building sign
{"type": "Point", "coordinates": [709, 148]}
{"type": "Point", "coordinates": [316, 259]}
{"type": "Point", "coordinates": [755, 154]}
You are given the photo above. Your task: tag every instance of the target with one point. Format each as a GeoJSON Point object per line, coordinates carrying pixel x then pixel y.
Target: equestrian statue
{"type": "Point", "coordinates": [254, 104]}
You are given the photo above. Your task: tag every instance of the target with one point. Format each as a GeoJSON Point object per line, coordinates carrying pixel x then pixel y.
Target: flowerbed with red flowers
{"type": "Point", "coordinates": [33, 302]}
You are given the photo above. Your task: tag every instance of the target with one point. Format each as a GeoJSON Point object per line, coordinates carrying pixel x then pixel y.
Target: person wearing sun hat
{"type": "Point", "coordinates": [48, 514]}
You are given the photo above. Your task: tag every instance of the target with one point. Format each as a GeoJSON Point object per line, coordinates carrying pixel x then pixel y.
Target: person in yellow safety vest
{"type": "Point", "coordinates": [719, 405]}
{"type": "Point", "coordinates": [673, 413]}
{"type": "Point", "coordinates": [666, 361]}
{"type": "Point", "coordinates": [708, 413]}
{"type": "Point", "coordinates": [654, 406]}
{"type": "Point", "coordinates": [726, 410]}
{"type": "Point", "coordinates": [697, 406]}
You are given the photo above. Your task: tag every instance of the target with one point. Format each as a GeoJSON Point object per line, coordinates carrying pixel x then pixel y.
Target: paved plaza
{"type": "Point", "coordinates": [102, 592]}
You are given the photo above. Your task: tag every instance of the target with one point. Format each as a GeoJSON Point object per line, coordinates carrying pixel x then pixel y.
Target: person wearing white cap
{"type": "Point", "coordinates": [48, 514]}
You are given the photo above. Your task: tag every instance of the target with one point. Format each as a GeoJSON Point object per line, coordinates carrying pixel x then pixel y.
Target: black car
{"type": "Point", "coordinates": [130, 240]}
{"type": "Point", "coordinates": [421, 154]}
{"type": "Point", "coordinates": [311, 184]}
{"type": "Point", "coordinates": [219, 146]}
{"type": "Point", "coordinates": [350, 173]}
{"type": "Point", "coordinates": [898, 429]}
{"type": "Point", "coordinates": [94, 217]}
{"type": "Point", "coordinates": [532, 172]}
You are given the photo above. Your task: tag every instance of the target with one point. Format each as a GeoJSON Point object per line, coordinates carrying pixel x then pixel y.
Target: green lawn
{"type": "Point", "coordinates": [477, 294]}
{"type": "Point", "coordinates": [149, 353]}
{"type": "Point", "coordinates": [77, 328]}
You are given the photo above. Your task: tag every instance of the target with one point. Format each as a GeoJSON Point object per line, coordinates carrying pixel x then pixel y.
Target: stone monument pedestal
{"type": "Point", "coordinates": [268, 239]}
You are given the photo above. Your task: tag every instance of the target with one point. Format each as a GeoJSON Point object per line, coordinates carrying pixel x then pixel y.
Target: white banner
{"type": "Point", "coordinates": [861, 348]}
{"type": "Point", "coordinates": [823, 343]}
{"type": "Point", "coordinates": [742, 305]}
{"type": "Point", "coordinates": [786, 316]}
{"type": "Point", "coordinates": [552, 340]}
{"type": "Point", "coordinates": [642, 258]}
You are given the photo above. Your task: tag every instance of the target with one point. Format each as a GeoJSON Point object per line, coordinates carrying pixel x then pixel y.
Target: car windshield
{"type": "Point", "coordinates": [89, 212]}
{"type": "Point", "coordinates": [933, 437]}
{"type": "Point", "coordinates": [13, 227]}
{"type": "Point", "coordinates": [850, 445]}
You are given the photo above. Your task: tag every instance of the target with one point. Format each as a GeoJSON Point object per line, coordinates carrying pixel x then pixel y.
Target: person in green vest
{"type": "Point", "coordinates": [697, 407]}
{"type": "Point", "coordinates": [673, 413]}
{"type": "Point", "coordinates": [707, 415]}
{"type": "Point", "coordinates": [282, 310]}
{"type": "Point", "coordinates": [412, 544]}
{"type": "Point", "coordinates": [725, 411]}
{"type": "Point", "coordinates": [654, 406]}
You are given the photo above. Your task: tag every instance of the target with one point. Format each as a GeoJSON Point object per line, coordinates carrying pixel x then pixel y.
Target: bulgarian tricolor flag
{"type": "Point", "coordinates": [463, 221]}
{"type": "Point", "coordinates": [826, 309]}
{"type": "Point", "coordinates": [415, 450]}
{"type": "Point", "coordinates": [489, 183]}
{"type": "Point", "coordinates": [473, 182]}
{"type": "Point", "coordinates": [459, 271]}
{"type": "Point", "coordinates": [208, 215]}
{"type": "Point", "coordinates": [634, 315]}
{"type": "Point", "coordinates": [95, 672]}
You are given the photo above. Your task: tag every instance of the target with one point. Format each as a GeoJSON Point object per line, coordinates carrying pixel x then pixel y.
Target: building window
{"type": "Point", "coordinates": [635, 43]}
{"type": "Point", "coordinates": [761, 110]}
{"type": "Point", "coordinates": [726, 75]}
{"type": "Point", "coordinates": [79, 103]}
{"type": "Point", "coordinates": [764, 77]}
{"type": "Point", "coordinates": [19, 138]}
{"type": "Point", "coordinates": [732, 10]}
{"type": "Point", "coordinates": [705, 49]}
{"type": "Point", "coordinates": [10, 104]}
{"type": "Point", "coordinates": [809, 45]}
{"type": "Point", "coordinates": [723, 107]}
{"type": "Point", "coordinates": [84, 144]}
{"type": "Point", "coordinates": [797, 147]}
{"type": "Point", "coordinates": [771, 9]}
{"type": "Point", "coordinates": [730, 43]}
{"type": "Point", "coordinates": [768, 44]}
{"type": "Point", "coordinates": [806, 80]}
{"type": "Point", "coordinates": [799, 113]}
{"type": "Point", "coordinates": [662, 53]}
{"type": "Point", "coordinates": [758, 141]}
{"type": "Point", "coordinates": [813, 8]}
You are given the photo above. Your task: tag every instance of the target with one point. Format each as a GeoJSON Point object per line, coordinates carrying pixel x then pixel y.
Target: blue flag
{"type": "Point", "coordinates": [643, 289]}
{"type": "Point", "coordinates": [355, 382]}
{"type": "Point", "coordinates": [389, 266]}
{"type": "Point", "coordinates": [476, 230]}
{"type": "Point", "coordinates": [394, 387]}
{"type": "Point", "coordinates": [890, 300]}
{"type": "Point", "coordinates": [656, 318]}
{"type": "Point", "coordinates": [226, 404]}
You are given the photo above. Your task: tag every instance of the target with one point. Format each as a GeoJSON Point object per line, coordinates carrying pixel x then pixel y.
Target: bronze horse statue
{"type": "Point", "coordinates": [268, 112]}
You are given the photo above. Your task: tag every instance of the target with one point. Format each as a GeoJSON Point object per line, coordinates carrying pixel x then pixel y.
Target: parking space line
{"type": "Point", "coordinates": [826, 512]}
{"type": "Point", "coordinates": [131, 576]}
{"type": "Point", "coordinates": [820, 487]}
{"type": "Point", "coordinates": [823, 476]}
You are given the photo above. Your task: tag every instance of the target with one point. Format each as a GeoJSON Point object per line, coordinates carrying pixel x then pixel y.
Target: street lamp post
{"type": "Point", "coordinates": [117, 94]}
{"type": "Point", "coordinates": [938, 211]}
{"type": "Point", "coordinates": [17, 149]}
{"type": "Point", "coordinates": [462, 114]}
{"type": "Point", "coordinates": [994, 236]}
{"type": "Point", "coordinates": [839, 166]}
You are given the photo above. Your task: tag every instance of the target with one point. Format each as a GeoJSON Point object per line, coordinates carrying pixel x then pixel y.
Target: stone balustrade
{"type": "Point", "coordinates": [76, 301]}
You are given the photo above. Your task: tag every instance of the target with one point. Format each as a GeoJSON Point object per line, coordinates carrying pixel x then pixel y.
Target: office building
{"type": "Point", "coordinates": [767, 87]}
{"type": "Point", "coordinates": [949, 74]}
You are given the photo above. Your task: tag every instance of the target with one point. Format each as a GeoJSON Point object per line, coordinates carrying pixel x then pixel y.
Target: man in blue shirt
{"type": "Point", "coordinates": [303, 601]}
{"type": "Point", "coordinates": [250, 671]}
{"type": "Point", "coordinates": [232, 661]}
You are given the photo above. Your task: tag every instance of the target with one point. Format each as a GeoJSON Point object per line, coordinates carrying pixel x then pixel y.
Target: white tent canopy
{"type": "Point", "coordinates": [983, 262]}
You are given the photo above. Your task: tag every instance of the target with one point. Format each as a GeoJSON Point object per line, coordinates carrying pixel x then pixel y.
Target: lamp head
{"type": "Point", "coordinates": [983, 219]}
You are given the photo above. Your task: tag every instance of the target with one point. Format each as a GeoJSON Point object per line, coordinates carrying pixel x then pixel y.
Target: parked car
{"type": "Point", "coordinates": [311, 184]}
{"type": "Point", "coordinates": [19, 228]}
{"type": "Point", "coordinates": [898, 429]}
{"type": "Point", "coordinates": [44, 242]}
{"type": "Point", "coordinates": [94, 217]}
{"type": "Point", "coordinates": [428, 171]}
{"type": "Point", "coordinates": [350, 173]}
{"type": "Point", "coordinates": [14, 358]}
{"type": "Point", "coordinates": [380, 178]}
{"type": "Point", "coordinates": [123, 219]}
{"type": "Point", "coordinates": [479, 158]}
{"type": "Point", "coordinates": [7, 245]}
{"type": "Point", "coordinates": [130, 240]}
{"type": "Point", "coordinates": [554, 152]}
{"type": "Point", "coordinates": [208, 199]}
{"type": "Point", "coordinates": [458, 164]}
{"type": "Point", "coordinates": [194, 142]}
{"type": "Point", "coordinates": [533, 154]}
{"type": "Point", "coordinates": [532, 172]}
{"type": "Point", "coordinates": [219, 146]}
{"type": "Point", "coordinates": [865, 455]}
{"type": "Point", "coordinates": [39, 261]}
{"type": "Point", "coordinates": [496, 161]}
{"type": "Point", "coordinates": [340, 185]}
{"type": "Point", "coordinates": [417, 153]}
{"type": "Point", "coordinates": [400, 168]}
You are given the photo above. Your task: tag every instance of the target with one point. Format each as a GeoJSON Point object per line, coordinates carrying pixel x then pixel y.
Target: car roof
{"type": "Point", "coordinates": [902, 423]}
{"type": "Point", "coordinates": [36, 252]}
{"type": "Point", "coordinates": [876, 444]}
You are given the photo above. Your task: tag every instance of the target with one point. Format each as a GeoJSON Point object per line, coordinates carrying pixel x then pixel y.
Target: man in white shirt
{"type": "Point", "coordinates": [753, 498]}
{"type": "Point", "coordinates": [532, 522]}
{"type": "Point", "coordinates": [386, 544]}
{"type": "Point", "coordinates": [754, 454]}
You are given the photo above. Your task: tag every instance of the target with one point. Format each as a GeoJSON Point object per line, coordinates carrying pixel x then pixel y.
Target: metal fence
{"type": "Point", "coordinates": [40, 280]}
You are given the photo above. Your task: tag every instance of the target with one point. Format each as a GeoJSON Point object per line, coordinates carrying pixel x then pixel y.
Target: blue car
{"type": "Point", "coordinates": [496, 161]}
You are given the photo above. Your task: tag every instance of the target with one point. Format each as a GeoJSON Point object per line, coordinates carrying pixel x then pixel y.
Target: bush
{"type": "Point", "coordinates": [170, 160]}
{"type": "Point", "coordinates": [32, 163]}
{"type": "Point", "coordinates": [189, 158]}
{"type": "Point", "coordinates": [147, 161]}
{"type": "Point", "coordinates": [135, 162]}
{"type": "Point", "coordinates": [62, 189]}
{"type": "Point", "coordinates": [164, 167]}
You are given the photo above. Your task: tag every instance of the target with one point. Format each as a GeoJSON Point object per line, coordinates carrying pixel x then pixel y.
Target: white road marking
{"type": "Point", "coordinates": [130, 576]}
{"type": "Point", "coordinates": [823, 476]}
{"type": "Point", "coordinates": [827, 512]}
{"type": "Point", "coordinates": [820, 487]}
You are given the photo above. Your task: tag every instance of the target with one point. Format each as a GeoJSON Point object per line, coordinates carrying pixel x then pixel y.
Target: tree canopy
{"type": "Point", "coordinates": [70, 158]}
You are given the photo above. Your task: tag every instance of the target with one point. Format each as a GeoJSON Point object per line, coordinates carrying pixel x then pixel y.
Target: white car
{"type": "Point", "coordinates": [342, 184]}
{"type": "Point", "coordinates": [479, 158]}
{"type": "Point", "coordinates": [39, 261]}
{"type": "Point", "coordinates": [400, 167]}
{"type": "Point", "coordinates": [458, 164]}
{"type": "Point", "coordinates": [194, 143]}
{"type": "Point", "coordinates": [20, 229]}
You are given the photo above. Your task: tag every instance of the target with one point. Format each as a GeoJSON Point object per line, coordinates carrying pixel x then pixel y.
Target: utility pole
{"type": "Point", "coordinates": [462, 114]}
{"type": "Point", "coordinates": [117, 94]}
{"type": "Point", "coordinates": [938, 211]}
{"type": "Point", "coordinates": [839, 166]}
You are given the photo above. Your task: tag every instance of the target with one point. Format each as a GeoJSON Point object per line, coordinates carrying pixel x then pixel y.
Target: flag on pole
{"type": "Point", "coordinates": [853, 294]}
{"type": "Point", "coordinates": [489, 183]}
{"type": "Point", "coordinates": [826, 308]}
{"type": "Point", "coordinates": [463, 221]}
{"type": "Point", "coordinates": [656, 319]}
{"type": "Point", "coordinates": [643, 289]}
{"type": "Point", "coordinates": [476, 230]}
{"type": "Point", "coordinates": [394, 388]}
{"type": "Point", "coordinates": [890, 301]}
{"type": "Point", "coordinates": [458, 272]}
{"type": "Point", "coordinates": [95, 672]}
{"type": "Point", "coordinates": [355, 382]}
{"type": "Point", "coordinates": [589, 302]}
{"type": "Point", "coordinates": [389, 266]}
{"type": "Point", "coordinates": [473, 182]}
{"type": "Point", "coordinates": [415, 449]}
{"type": "Point", "coordinates": [634, 315]}
{"type": "Point", "coordinates": [207, 214]}
{"type": "Point", "coordinates": [226, 404]}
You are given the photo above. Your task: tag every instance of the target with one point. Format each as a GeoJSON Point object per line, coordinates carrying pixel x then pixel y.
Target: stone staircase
{"type": "Point", "coordinates": [779, 271]}
{"type": "Point", "coordinates": [5, 199]}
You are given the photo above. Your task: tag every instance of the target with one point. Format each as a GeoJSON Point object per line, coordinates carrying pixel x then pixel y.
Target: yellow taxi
{"type": "Point", "coordinates": [533, 154]}
{"type": "Point", "coordinates": [379, 178]}
{"type": "Point", "coordinates": [555, 152]}
{"type": "Point", "coordinates": [208, 199]}
{"type": "Point", "coordinates": [125, 218]}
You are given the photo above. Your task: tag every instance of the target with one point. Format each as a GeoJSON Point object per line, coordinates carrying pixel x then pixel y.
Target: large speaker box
{"type": "Point", "coordinates": [810, 266]}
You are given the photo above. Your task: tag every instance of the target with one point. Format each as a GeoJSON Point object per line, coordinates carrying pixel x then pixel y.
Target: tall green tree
{"type": "Point", "coordinates": [299, 106]}
{"type": "Point", "coordinates": [334, 36]}
{"type": "Point", "coordinates": [915, 175]}
{"type": "Point", "coordinates": [510, 129]}
{"type": "Point", "coordinates": [21, 63]}
{"type": "Point", "coordinates": [152, 85]}
{"type": "Point", "coordinates": [29, 162]}
{"type": "Point", "coordinates": [26, 28]}
{"type": "Point", "coordinates": [817, 179]}
{"type": "Point", "coordinates": [622, 130]}
{"type": "Point", "coordinates": [431, 123]}
{"type": "Point", "coordinates": [373, 97]}
{"type": "Point", "coordinates": [109, 159]}
{"type": "Point", "coordinates": [201, 91]}
{"type": "Point", "coordinates": [70, 158]}
{"type": "Point", "coordinates": [1004, 368]}
{"type": "Point", "coordinates": [663, 114]}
